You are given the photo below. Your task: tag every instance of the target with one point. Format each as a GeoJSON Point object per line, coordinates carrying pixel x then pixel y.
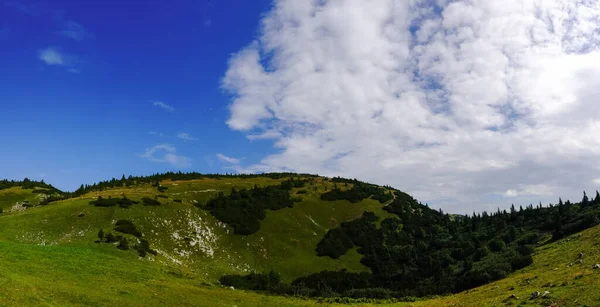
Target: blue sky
{"type": "Point", "coordinates": [466, 105]}
{"type": "Point", "coordinates": [80, 82]}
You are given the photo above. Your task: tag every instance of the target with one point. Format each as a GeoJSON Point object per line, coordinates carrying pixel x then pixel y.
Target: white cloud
{"type": "Point", "coordinates": [165, 153]}
{"type": "Point", "coordinates": [483, 96]}
{"type": "Point", "coordinates": [74, 30]}
{"type": "Point", "coordinates": [511, 193]}
{"type": "Point", "coordinates": [530, 190]}
{"type": "Point", "coordinates": [164, 106]}
{"type": "Point", "coordinates": [52, 56]}
{"type": "Point", "coordinates": [156, 133]}
{"type": "Point", "coordinates": [226, 159]}
{"type": "Point", "coordinates": [186, 136]}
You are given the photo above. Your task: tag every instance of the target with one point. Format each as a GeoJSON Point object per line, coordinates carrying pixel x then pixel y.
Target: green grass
{"type": "Point", "coordinates": [9, 197]}
{"type": "Point", "coordinates": [286, 241]}
{"type": "Point", "coordinates": [48, 255]}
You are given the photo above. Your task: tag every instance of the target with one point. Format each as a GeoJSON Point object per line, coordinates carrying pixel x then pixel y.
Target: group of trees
{"type": "Point", "coordinates": [40, 187]}
{"type": "Point", "coordinates": [126, 227]}
{"type": "Point", "coordinates": [244, 209]}
{"type": "Point", "coordinates": [254, 281]}
{"type": "Point", "coordinates": [122, 202]}
{"type": "Point", "coordinates": [357, 192]}
{"type": "Point", "coordinates": [423, 252]}
{"type": "Point", "coordinates": [27, 183]}
{"type": "Point", "coordinates": [156, 178]}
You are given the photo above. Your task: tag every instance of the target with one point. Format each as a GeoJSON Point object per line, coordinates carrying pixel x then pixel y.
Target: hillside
{"type": "Point", "coordinates": [189, 248]}
{"type": "Point", "coordinates": [186, 236]}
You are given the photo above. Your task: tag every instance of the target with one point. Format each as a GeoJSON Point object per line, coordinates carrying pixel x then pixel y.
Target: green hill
{"type": "Point", "coordinates": [50, 252]}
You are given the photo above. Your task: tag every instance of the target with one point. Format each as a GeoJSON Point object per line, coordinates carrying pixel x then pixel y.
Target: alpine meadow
{"type": "Point", "coordinates": [410, 153]}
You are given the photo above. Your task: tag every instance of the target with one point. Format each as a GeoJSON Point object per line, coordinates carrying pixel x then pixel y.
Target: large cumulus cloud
{"type": "Point", "coordinates": [467, 105]}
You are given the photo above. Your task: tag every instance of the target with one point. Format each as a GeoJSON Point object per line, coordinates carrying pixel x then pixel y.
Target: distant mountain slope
{"type": "Point", "coordinates": [154, 235]}
{"type": "Point", "coordinates": [187, 236]}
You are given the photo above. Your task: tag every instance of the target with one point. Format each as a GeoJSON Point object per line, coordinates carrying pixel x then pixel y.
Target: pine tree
{"type": "Point", "coordinates": [585, 201]}
{"type": "Point", "coordinates": [123, 244]}
{"type": "Point", "coordinates": [101, 235]}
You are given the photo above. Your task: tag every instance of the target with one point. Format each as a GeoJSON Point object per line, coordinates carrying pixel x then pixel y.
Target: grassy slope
{"type": "Point", "coordinates": [9, 197]}
{"type": "Point", "coordinates": [285, 242]}
{"type": "Point", "coordinates": [100, 275]}
{"type": "Point", "coordinates": [72, 270]}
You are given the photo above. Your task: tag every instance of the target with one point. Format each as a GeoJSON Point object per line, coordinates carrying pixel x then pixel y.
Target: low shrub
{"type": "Point", "coordinates": [126, 226]}
{"type": "Point", "coordinates": [150, 202]}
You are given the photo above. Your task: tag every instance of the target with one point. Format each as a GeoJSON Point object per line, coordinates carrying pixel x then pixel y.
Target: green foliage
{"type": "Point", "coordinates": [156, 178]}
{"type": "Point", "coordinates": [143, 248]}
{"type": "Point", "coordinates": [358, 192]}
{"type": "Point", "coordinates": [110, 238]}
{"type": "Point", "coordinates": [122, 202]}
{"type": "Point", "coordinates": [126, 226]}
{"type": "Point", "coordinates": [425, 252]}
{"type": "Point", "coordinates": [244, 209]}
{"type": "Point", "coordinates": [101, 235]}
{"type": "Point", "coordinates": [39, 187]}
{"type": "Point", "coordinates": [123, 244]}
{"type": "Point", "coordinates": [253, 281]}
{"type": "Point", "coordinates": [339, 240]}
{"type": "Point", "coordinates": [150, 202]}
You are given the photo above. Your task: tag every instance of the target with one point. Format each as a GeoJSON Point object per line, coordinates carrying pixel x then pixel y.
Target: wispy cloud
{"type": "Point", "coordinates": [23, 8]}
{"type": "Point", "coordinates": [156, 133]}
{"type": "Point", "coordinates": [164, 106]}
{"type": "Point", "coordinates": [231, 160]}
{"type": "Point", "coordinates": [52, 56]}
{"type": "Point", "coordinates": [75, 31]}
{"type": "Point", "coordinates": [186, 136]}
{"type": "Point", "coordinates": [165, 153]}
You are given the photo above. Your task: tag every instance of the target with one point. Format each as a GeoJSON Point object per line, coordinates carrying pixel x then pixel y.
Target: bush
{"type": "Point", "coordinates": [110, 238]}
{"type": "Point", "coordinates": [123, 244]}
{"type": "Point", "coordinates": [253, 281]}
{"type": "Point", "coordinates": [123, 202]}
{"type": "Point", "coordinates": [143, 248]}
{"type": "Point", "coordinates": [126, 226]}
{"type": "Point", "coordinates": [150, 202]}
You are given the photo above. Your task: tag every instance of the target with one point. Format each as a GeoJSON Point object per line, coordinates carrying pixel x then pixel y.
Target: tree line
{"type": "Point", "coordinates": [422, 252]}
{"type": "Point", "coordinates": [243, 209]}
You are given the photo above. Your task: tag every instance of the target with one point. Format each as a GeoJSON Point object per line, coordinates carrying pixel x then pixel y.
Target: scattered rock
{"type": "Point", "coordinates": [535, 295]}
{"type": "Point", "coordinates": [545, 293]}
{"type": "Point", "coordinates": [596, 266]}
{"type": "Point", "coordinates": [581, 255]}
{"type": "Point", "coordinates": [580, 261]}
{"type": "Point", "coordinates": [514, 296]}
{"type": "Point", "coordinates": [81, 214]}
{"type": "Point", "coordinates": [232, 288]}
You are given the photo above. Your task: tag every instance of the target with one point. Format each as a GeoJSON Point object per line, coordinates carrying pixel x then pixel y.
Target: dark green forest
{"type": "Point", "coordinates": [422, 252]}
{"type": "Point", "coordinates": [244, 209]}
